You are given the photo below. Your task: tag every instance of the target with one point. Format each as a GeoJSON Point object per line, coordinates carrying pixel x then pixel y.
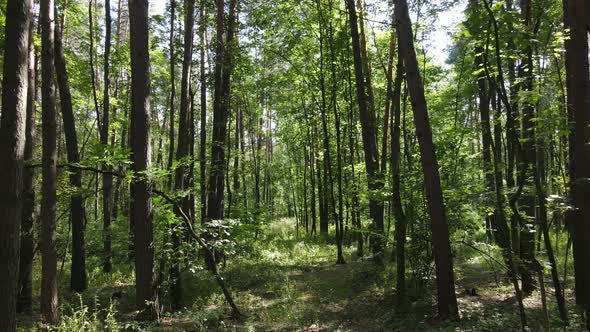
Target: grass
{"type": "Point", "coordinates": [284, 283]}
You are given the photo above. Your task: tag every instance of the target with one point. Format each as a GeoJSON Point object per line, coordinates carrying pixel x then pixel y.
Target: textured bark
{"type": "Point", "coordinates": [398, 210]}
{"type": "Point", "coordinates": [141, 200]}
{"type": "Point", "coordinates": [577, 19]}
{"type": "Point", "coordinates": [12, 144]}
{"type": "Point", "coordinates": [203, 115]}
{"type": "Point", "coordinates": [171, 106]}
{"type": "Point", "coordinates": [107, 179]}
{"type": "Point", "coordinates": [334, 101]}
{"type": "Point", "coordinates": [486, 131]}
{"type": "Point", "coordinates": [78, 280]}
{"type": "Point", "coordinates": [527, 158]}
{"type": "Point", "coordinates": [27, 244]}
{"type": "Point", "coordinates": [181, 182]}
{"type": "Point", "coordinates": [445, 279]}
{"type": "Point", "coordinates": [223, 69]}
{"type": "Point", "coordinates": [49, 297]}
{"type": "Point", "coordinates": [368, 126]}
{"type": "Point", "coordinates": [389, 91]}
{"type": "Point", "coordinates": [326, 159]}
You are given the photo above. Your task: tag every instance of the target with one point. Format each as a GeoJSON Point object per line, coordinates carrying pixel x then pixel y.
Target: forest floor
{"type": "Point", "coordinates": [293, 284]}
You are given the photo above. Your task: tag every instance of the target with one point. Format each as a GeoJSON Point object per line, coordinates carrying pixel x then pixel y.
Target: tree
{"type": "Point", "coordinates": [141, 202]}
{"type": "Point", "coordinates": [578, 86]}
{"type": "Point", "coordinates": [27, 245]}
{"type": "Point", "coordinates": [368, 126]}
{"type": "Point", "coordinates": [203, 114]}
{"type": "Point", "coordinates": [78, 281]}
{"type": "Point", "coordinates": [107, 179]}
{"type": "Point", "coordinates": [223, 63]}
{"type": "Point", "coordinates": [12, 144]}
{"type": "Point", "coordinates": [184, 139]}
{"type": "Point", "coordinates": [445, 279]}
{"type": "Point", "coordinates": [49, 297]}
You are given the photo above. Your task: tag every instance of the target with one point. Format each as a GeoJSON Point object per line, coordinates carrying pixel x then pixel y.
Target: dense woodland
{"type": "Point", "coordinates": [313, 165]}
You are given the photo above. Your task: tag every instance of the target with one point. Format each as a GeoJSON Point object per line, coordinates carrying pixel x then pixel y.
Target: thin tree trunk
{"type": "Point", "coordinates": [446, 297]}
{"type": "Point", "coordinates": [12, 145]}
{"type": "Point", "coordinates": [223, 70]}
{"type": "Point", "coordinates": [339, 221]}
{"type": "Point", "coordinates": [171, 135]}
{"type": "Point", "coordinates": [49, 297]}
{"type": "Point", "coordinates": [78, 280]}
{"type": "Point", "coordinates": [181, 180]}
{"type": "Point", "coordinates": [203, 115]}
{"type": "Point", "coordinates": [107, 179]}
{"type": "Point", "coordinates": [398, 210]}
{"type": "Point", "coordinates": [368, 126]}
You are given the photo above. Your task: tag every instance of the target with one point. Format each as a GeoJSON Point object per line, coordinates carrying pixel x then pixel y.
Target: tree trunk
{"type": "Point", "coordinates": [576, 13]}
{"type": "Point", "coordinates": [223, 66]}
{"type": "Point", "coordinates": [141, 202]}
{"type": "Point", "coordinates": [12, 145]}
{"type": "Point", "coordinates": [27, 245]}
{"type": "Point", "coordinates": [49, 298]}
{"type": "Point", "coordinates": [107, 179]}
{"type": "Point", "coordinates": [398, 210]}
{"type": "Point", "coordinates": [447, 300]}
{"type": "Point", "coordinates": [527, 198]}
{"type": "Point", "coordinates": [181, 180]}
{"type": "Point", "coordinates": [368, 126]}
{"type": "Point", "coordinates": [334, 101]}
{"type": "Point", "coordinates": [203, 115]}
{"type": "Point", "coordinates": [171, 106]}
{"type": "Point", "coordinates": [78, 280]}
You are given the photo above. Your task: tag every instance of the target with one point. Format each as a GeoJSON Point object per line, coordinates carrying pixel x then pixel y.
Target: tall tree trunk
{"type": "Point", "coordinates": [181, 181]}
{"type": "Point", "coordinates": [447, 299]}
{"type": "Point", "coordinates": [223, 68]}
{"type": "Point", "coordinates": [312, 178]}
{"type": "Point", "coordinates": [203, 115]}
{"type": "Point", "coordinates": [388, 103]}
{"type": "Point", "coordinates": [527, 198]}
{"type": "Point", "coordinates": [12, 145]}
{"type": "Point", "coordinates": [171, 107]}
{"type": "Point", "coordinates": [368, 126]}
{"type": "Point", "coordinates": [78, 280]}
{"type": "Point", "coordinates": [141, 202]}
{"type": "Point", "coordinates": [398, 210]}
{"type": "Point", "coordinates": [107, 179]}
{"type": "Point", "coordinates": [576, 17]}
{"type": "Point", "coordinates": [327, 167]}
{"type": "Point", "coordinates": [27, 245]}
{"type": "Point", "coordinates": [493, 176]}
{"type": "Point", "coordinates": [334, 101]}
{"type": "Point", "coordinates": [49, 298]}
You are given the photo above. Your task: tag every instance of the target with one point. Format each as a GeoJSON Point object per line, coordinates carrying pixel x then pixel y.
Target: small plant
{"type": "Point", "coordinates": [83, 318]}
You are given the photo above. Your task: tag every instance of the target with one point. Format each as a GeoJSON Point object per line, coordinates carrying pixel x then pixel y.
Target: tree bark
{"type": "Point", "coordinates": [27, 245]}
{"type": "Point", "coordinates": [203, 115]}
{"type": "Point", "coordinates": [223, 68]}
{"type": "Point", "coordinates": [398, 210]}
{"type": "Point", "coordinates": [181, 182]}
{"type": "Point", "coordinates": [78, 280]}
{"type": "Point", "coordinates": [446, 297]}
{"type": "Point", "coordinates": [107, 179]}
{"type": "Point", "coordinates": [12, 145]}
{"type": "Point", "coordinates": [576, 13]}
{"type": "Point", "coordinates": [49, 297]}
{"type": "Point", "coordinates": [368, 126]}
{"type": "Point", "coordinates": [141, 202]}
